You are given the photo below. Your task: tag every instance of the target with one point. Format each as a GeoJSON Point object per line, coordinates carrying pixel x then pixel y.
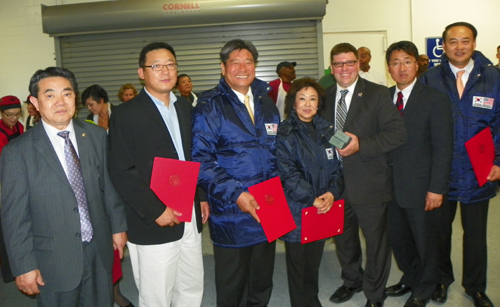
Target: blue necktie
{"type": "Point", "coordinates": [75, 179]}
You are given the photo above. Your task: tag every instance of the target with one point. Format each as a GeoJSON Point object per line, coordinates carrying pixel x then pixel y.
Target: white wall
{"type": "Point", "coordinates": [24, 48]}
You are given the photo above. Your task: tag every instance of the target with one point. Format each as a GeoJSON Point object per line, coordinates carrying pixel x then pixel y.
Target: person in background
{"type": "Point", "coordinates": [280, 86]}
{"type": "Point", "coordinates": [185, 87]}
{"type": "Point", "coordinates": [311, 176]}
{"type": "Point", "coordinates": [234, 136]}
{"type": "Point", "coordinates": [328, 79]}
{"type": "Point", "coordinates": [33, 115]}
{"type": "Point", "coordinates": [10, 127]}
{"type": "Point", "coordinates": [423, 64]}
{"type": "Point", "coordinates": [366, 71]}
{"type": "Point", "coordinates": [498, 57]}
{"type": "Point", "coordinates": [96, 100]}
{"type": "Point", "coordinates": [127, 92]}
{"type": "Point", "coordinates": [421, 171]}
{"type": "Point", "coordinates": [473, 86]}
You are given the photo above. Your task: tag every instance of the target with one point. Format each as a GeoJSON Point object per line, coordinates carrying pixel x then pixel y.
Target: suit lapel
{"type": "Point", "coordinates": [85, 146]}
{"type": "Point", "coordinates": [412, 101]}
{"type": "Point", "coordinates": [46, 152]}
{"type": "Point", "coordinates": [356, 102]}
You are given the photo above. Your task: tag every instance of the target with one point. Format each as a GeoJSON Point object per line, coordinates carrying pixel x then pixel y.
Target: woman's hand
{"type": "Point", "coordinates": [324, 202]}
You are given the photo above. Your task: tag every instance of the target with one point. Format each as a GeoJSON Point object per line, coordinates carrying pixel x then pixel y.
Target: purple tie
{"type": "Point", "coordinates": [75, 179]}
{"type": "Point", "coordinates": [399, 103]}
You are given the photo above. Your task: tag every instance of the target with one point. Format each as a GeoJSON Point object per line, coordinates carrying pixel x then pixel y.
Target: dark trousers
{"type": "Point", "coordinates": [94, 290]}
{"type": "Point", "coordinates": [302, 267]}
{"type": "Point", "coordinates": [244, 276]}
{"type": "Point", "coordinates": [413, 240]}
{"type": "Point", "coordinates": [372, 219]}
{"type": "Point", "coordinates": [474, 225]}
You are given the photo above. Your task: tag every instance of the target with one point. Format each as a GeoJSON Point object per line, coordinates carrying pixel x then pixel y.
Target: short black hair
{"type": "Point", "coordinates": [237, 44]}
{"type": "Point", "coordinates": [153, 46]}
{"type": "Point", "coordinates": [343, 48]}
{"type": "Point", "coordinates": [181, 76]}
{"type": "Point", "coordinates": [405, 46]}
{"type": "Point", "coordinates": [460, 24]}
{"type": "Point", "coordinates": [96, 92]}
{"type": "Point", "coordinates": [299, 84]}
{"type": "Point", "coordinates": [48, 73]}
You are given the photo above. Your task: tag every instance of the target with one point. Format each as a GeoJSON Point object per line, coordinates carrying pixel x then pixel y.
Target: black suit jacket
{"type": "Point", "coordinates": [137, 135]}
{"type": "Point", "coordinates": [374, 119]}
{"type": "Point", "coordinates": [423, 163]}
{"type": "Point", "coordinates": [40, 219]}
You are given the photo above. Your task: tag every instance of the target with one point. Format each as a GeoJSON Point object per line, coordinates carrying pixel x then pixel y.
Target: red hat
{"type": "Point", "coordinates": [9, 102]}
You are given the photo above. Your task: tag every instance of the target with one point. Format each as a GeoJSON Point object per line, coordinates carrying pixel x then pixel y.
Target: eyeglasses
{"type": "Point", "coordinates": [405, 63]}
{"type": "Point", "coordinates": [159, 67]}
{"type": "Point", "coordinates": [347, 63]}
{"type": "Point", "coordinates": [17, 115]}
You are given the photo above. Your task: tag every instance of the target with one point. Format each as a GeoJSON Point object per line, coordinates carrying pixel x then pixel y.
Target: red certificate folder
{"type": "Point", "coordinates": [321, 226]}
{"type": "Point", "coordinates": [117, 267]}
{"type": "Point", "coordinates": [174, 182]}
{"type": "Point", "coordinates": [481, 154]}
{"type": "Point", "coordinates": [274, 213]}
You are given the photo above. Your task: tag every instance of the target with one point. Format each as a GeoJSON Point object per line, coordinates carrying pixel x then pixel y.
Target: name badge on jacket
{"type": "Point", "coordinates": [329, 153]}
{"type": "Point", "coordinates": [272, 129]}
{"type": "Point", "coordinates": [483, 102]}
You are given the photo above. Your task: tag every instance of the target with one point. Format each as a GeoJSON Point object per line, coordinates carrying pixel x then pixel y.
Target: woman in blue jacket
{"type": "Point", "coordinates": [311, 176]}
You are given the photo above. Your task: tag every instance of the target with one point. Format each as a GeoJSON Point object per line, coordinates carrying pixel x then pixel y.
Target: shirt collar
{"type": "Point", "coordinates": [407, 90]}
{"type": "Point", "coordinates": [467, 68]}
{"type": "Point", "coordinates": [52, 131]}
{"type": "Point", "coordinates": [350, 88]}
{"type": "Point", "coordinates": [158, 102]}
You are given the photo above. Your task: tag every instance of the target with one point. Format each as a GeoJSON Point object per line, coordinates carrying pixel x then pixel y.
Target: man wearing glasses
{"type": "Point", "coordinates": [364, 111]}
{"type": "Point", "coordinates": [10, 127]}
{"type": "Point", "coordinates": [165, 253]}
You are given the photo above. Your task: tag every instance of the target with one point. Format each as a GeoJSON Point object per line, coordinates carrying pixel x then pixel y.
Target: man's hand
{"type": "Point", "coordinates": [119, 241]}
{"type": "Point", "coordinates": [205, 211]}
{"type": "Point", "coordinates": [248, 204]}
{"type": "Point", "coordinates": [324, 202]}
{"type": "Point", "coordinates": [168, 218]}
{"type": "Point", "coordinates": [352, 148]}
{"type": "Point", "coordinates": [433, 201]}
{"type": "Point", "coordinates": [494, 173]}
{"type": "Point", "coordinates": [28, 282]}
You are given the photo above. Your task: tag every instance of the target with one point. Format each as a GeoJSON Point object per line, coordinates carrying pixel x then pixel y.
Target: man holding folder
{"type": "Point", "coordinates": [473, 86]}
{"type": "Point", "coordinates": [166, 254]}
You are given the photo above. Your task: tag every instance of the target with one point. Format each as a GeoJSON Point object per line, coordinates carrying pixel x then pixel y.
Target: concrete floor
{"type": "Point", "coordinates": [329, 274]}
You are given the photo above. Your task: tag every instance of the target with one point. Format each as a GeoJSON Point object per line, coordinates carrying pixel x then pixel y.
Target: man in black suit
{"type": "Point", "coordinates": [165, 253]}
{"type": "Point", "coordinates": [421, 172]}
{"type": "Point", "coordinates": [61, 215]}
{"type": "Point", "coordinates": [365, 112]}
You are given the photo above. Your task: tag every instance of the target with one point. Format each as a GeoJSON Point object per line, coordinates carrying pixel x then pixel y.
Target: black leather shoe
{"type": "Point", "coordinates": [377, 304]}
{"type": "Point", "coordinates": [343, 294]}
{"type": "Point", "coordinates": [397, 290]}
{"type": "Point", "coordinates": [416, 302]}
{"type": "Point", "coordinates": [480, 299]}
{"type": "Point", "coordinates": [440, 294]}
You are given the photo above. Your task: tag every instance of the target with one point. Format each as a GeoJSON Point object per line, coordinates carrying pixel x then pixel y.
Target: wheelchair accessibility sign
{"type": "Point", "coordinates": [434, 47]}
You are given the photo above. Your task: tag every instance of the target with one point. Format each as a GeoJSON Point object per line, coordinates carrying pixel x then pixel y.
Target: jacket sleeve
{"type": "Point", "coordinates": [296, 188]}
{"type": "Point", "coordinates": [441, 128]}
{"type": "Point", "coordinates": [16, 213]}
{"type": "Point", "coordinates": [336, 186]}
{"type": "Point", "coordinates": [124, 172]}
{"type": "Point", "coordinates": [212, 178]}
{"type": "Point", "coordinates": [391, 127]}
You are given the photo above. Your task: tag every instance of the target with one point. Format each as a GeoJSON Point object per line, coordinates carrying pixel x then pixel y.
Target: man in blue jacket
{"type": "Point", "coordinates": [473, 86]}
{"type": "Point", "coordinates": [234, 133]}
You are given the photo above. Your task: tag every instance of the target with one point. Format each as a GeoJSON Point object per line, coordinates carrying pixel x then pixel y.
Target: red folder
{"type": "Point", "coordinates": [174, 182]}
{"type": "Point", "coordinates": [481, 154]}
{"type": "Point", "coordinates": [274, 213]}
{"type": "Point", "coordinates": [117, 267]}
{"type": "Point", "coordinates": [321, 226]}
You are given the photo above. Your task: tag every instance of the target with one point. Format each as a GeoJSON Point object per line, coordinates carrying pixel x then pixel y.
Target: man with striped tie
{"type": "Point", "coordinates": [364, 111]}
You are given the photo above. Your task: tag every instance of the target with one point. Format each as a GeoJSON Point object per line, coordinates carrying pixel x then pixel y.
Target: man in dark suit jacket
{"type": "Point", "coordinates": [165, 253]}
{"type": "Point", "coordinates": [44, 219]}
{"type": "Point", "coordinates": [421, 172]}
{"type": "Point", "coordinates": [375, 128]}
